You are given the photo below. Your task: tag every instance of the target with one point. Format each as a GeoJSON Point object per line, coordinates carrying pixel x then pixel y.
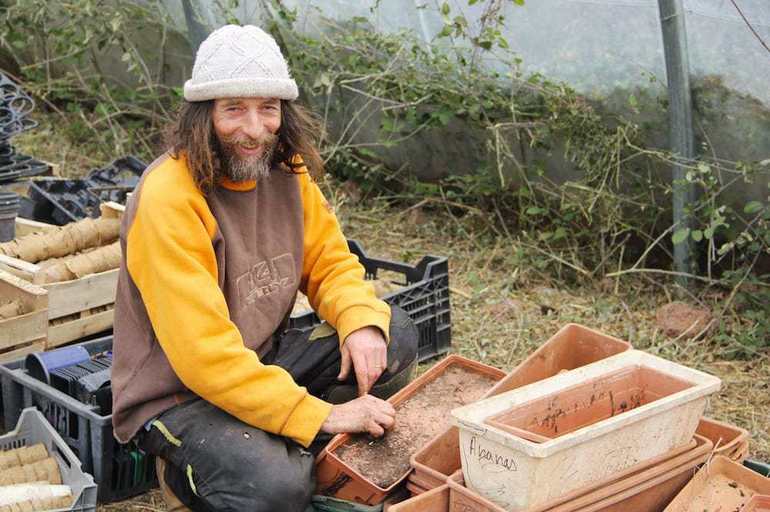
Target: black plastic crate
{"type": "Point", "coordinates": [424, 296]}
{"type": "Point", "coordinates": [121, 471]}
{"type": "Point", "coordinates": [62, 201]}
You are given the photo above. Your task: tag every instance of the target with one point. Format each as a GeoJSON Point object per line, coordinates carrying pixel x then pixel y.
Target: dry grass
{"type": "Point", "coordinates": [503, 306]}
{"type": "Point", "coordinates": [75, 153]}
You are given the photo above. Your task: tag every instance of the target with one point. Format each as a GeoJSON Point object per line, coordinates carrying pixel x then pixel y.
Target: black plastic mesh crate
{"type": "Point", "coordinates": [424, 296]}
{"type": "Point", "coordinates": [121, 471]}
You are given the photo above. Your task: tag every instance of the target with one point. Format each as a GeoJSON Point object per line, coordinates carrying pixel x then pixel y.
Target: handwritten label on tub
{"type": "Point", "coordinates": [488, 457]}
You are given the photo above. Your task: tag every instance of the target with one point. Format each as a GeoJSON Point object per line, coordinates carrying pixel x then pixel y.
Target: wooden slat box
{"type": "Point", "coordinates": [25, 333]}
{"type": "Point", "coordinates": [75, 308]}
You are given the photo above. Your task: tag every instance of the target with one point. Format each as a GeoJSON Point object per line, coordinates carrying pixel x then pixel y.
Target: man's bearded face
{"type": "Point", "coordinates": [246, 130]}
{"type": "Point", "coordinates": [244, 158]}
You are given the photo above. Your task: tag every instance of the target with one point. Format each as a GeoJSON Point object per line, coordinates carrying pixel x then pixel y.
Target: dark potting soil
{"type": "Point", "coordinates": [418, 420]}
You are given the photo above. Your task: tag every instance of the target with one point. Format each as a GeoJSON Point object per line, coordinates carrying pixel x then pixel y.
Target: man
{"type": "Point", "coordinates": [218, 237]}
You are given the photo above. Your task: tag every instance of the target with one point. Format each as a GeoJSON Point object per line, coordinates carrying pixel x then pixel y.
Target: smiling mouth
{"type": "Point", "coordinates": [249, 149]}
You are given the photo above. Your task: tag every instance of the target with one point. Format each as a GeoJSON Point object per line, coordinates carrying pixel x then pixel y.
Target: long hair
{"type": "Point", "coordinates": [192, 134]}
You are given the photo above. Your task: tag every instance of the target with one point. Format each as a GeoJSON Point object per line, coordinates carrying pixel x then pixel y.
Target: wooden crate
{"type": "Point", "coordinates": [80, 305]}
{"type": "Point", "coordinates": [25, 333]}
{"type": "Point", "coordinates": [72, 327]}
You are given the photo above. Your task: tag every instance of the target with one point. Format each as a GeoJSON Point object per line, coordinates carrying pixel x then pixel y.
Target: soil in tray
{"type": "Point", "coordinates": [721, 494]}
{"type": "Point", "coordinates": [418, 419]}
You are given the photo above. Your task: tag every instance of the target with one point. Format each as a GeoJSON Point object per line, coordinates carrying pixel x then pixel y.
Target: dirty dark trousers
{"type": "Point", "coordinates": [215, 462]}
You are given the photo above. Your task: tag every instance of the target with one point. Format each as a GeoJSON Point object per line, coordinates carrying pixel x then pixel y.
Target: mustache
{"type": "Point", "coordinates": [235, 140]}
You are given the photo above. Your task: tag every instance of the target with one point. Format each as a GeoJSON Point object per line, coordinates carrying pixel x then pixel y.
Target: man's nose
{"type": "Point", "coordinates": [254, 126]}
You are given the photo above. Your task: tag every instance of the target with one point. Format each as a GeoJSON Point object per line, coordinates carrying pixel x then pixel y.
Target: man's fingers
{"type": "Point", "coordinates": [385, 420]}
{"type": "Point", "coordinates": [378, 365]}
{"type": "Point", "coordinates": [344, 364]}
{"type": "Point", "coordinates": [374, 373]}
{"type": "Point", "coordinates": [375, 429]}
{"type": "Point", "coordinates": [384, 358]}
{"type": "Point", "coordinates": [362, 375]}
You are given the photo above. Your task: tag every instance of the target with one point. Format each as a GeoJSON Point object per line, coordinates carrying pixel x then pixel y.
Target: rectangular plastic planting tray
{"type": "Point", "coordinates": [728, 440]}
{"type": "Point", "coordinates": [555, 436]}
{"type": "Point", "coordinates": [434, 500]}
{"type": "Point", "coordinates": [573, 346]}
{"type": "Point", "coordinates": [649, 488]}
{"type": "Point", "coordinates": [720, 485]}
{"type": "Point", "coordinates": [434, 462]}
{"type": "Point", "coordinates": [336, 478]}
{"type": "Point", "coordinates": [644, 487]}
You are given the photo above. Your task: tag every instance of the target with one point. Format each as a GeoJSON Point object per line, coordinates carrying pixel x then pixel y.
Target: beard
{"type": "Point", "coordinates": [239, 168]}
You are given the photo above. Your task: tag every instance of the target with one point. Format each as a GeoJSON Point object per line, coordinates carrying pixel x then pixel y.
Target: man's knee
{"type": "Point", "coordinates": [404, 339]}
{"type": "Point", "coordinates": [278, 479]}
{"type": "Point", "coordinates": [291, 486]}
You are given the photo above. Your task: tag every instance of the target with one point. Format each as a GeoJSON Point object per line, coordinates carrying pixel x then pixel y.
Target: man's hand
{"type": "Point", "coordinates": [366, 349]}
{"type": "Point", "coordinates": [364, 414]}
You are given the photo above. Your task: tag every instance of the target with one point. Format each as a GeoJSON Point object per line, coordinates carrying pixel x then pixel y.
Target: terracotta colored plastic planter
{"type": "Point", "coordinates": [605, 397]}
{"type": "Point", "coordinates": [647, 489]}
{"type": "Point", "coordinates": [336, 478]}
{"type": "Point", "coordinates": [415, 489]}
{"type": "Point", "coordinates": [722, 483]}
{"type": "Point", "coordinates": [741, 453]}
{"type": "Point", "coordinates": [642, 486]}
{"type": "Point", "coordinates": [729, 440]}
{"type": "Point", "coordinates": [758, 504]}
{"type": "Point", "coordinates": [434, 500]}
{"type": "Point", "coordinates": [572, 347]}
{"type": "Point", "coordinates": [462, 498]}
{"type": "Point", "coordinates": [437, 460]}
{"type": "Point", "coordinates": [659, 416]}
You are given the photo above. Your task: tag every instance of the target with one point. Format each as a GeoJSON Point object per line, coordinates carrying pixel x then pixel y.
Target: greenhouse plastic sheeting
{"type": "Point", "coordinates": [594, 45]}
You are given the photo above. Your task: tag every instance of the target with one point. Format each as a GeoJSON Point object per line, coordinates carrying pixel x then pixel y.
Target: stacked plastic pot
{"type": "Point", "coordinates": [15, 107]}
{"type": "Point", "coordinates": [585, 423]}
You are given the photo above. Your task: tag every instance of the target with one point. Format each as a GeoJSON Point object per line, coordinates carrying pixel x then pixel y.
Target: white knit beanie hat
{"type": "Point", "coordinates": [239, 62]}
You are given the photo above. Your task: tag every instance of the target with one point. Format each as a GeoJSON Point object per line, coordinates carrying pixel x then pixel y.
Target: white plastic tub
{"type": "Point", "coordinates": [533, 444]}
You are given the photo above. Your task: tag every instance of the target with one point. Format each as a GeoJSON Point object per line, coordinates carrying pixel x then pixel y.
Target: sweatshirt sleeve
{"type": "Point", "coordinates": [332, 277]}
{"type": "Point", "coordinates": [171, 260]}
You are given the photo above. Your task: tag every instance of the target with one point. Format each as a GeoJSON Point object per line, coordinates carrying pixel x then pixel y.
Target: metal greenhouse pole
{"type": "Point", "coordinates": [197, 32]}
{"type": "Point", "coordinates": [681, 136]}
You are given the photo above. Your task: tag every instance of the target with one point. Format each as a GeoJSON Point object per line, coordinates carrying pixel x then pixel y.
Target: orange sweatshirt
{"type": "Point", "coordinates": [209, 279]}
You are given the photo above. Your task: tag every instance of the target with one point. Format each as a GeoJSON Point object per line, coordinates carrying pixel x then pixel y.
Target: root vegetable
{"type": "Point", "coordinates": [11, 309]}
{"type": "Point", "coordinates": [32, 454]}
{"type": "Point", "coordinates": [92, 262]}
{"type": "Point", "coordinates": [51, 468]}
{"type": "Point", "coordinates": [45, 470]}
{"type": "Point", "coordinates": [66, 240]}
{"type": "Point", "coordinates": [23, 455]}
{"type": "Point", "coordinates": [23, 496]}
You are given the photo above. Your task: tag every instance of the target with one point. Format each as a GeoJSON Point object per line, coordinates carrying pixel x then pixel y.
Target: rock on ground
{"type": "Point", "coordinates": [680, 319]}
